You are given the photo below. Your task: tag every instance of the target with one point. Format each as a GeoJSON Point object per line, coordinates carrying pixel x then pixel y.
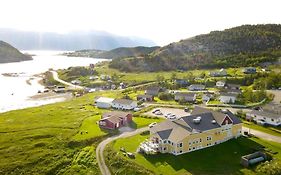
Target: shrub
{"type": "Point", "coordinates": [270, 168]}
{"type": "Point", "coordinates": [165, 96]}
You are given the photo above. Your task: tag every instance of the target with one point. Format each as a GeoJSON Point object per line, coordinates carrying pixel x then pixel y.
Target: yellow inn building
{"type": "Point", "coordinates": [202, 129]}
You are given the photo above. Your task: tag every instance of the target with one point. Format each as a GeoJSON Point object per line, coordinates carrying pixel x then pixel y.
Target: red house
{"type": "Point", "coordinates": [115, 119]}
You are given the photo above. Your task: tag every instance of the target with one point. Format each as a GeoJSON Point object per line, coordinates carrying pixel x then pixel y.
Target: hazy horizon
{"type": "Point", "coordinates": [160, 21]}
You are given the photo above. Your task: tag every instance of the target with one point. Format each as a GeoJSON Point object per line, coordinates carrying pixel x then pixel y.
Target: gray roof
{"type": "Point", "coordinates": [123, 101]}
{"type": "Point", "coordinates": [228, 94]}
{"type": "Point", "coordinates": [182, 94]}
{"type": "Point", "coordinates": [205, 123]}
{"type": "Point", "coordinates": [155, 89]}
{"type": "Point", "coordinates": [219, 116]}
{"type": "Point", "coordinates": [233, 85]}
{"type": "Point", "coordinates": [164, 134]}
{"type": "Point", "coordinates": [266, 114]}
{"type": "Point", "coordinates": [145, 96]}
{"type": "Point", "coordinates": [197, 85]}
{"type": "Point", "coordinates": [178, 129]}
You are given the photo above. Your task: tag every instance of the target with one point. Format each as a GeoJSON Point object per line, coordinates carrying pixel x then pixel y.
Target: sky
{"type": "Point", "coordinates": [162, 21]}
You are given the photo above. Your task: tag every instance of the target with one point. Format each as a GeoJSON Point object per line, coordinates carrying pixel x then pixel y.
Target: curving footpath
{"type": "Point", "coordinates": [56, 77]}
{"type": "Point", "coordinates": [100, 148]}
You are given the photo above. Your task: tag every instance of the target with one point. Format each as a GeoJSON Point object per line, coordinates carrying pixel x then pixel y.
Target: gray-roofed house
{"type": "Point", "coordinates": [250, 70]}
{"type": "Point", "coordinates": [145, 97]}
{"type": "Point", "coordinates": [196, 87]}
{"type": "Point", "coordinates": [207, 96]}
{"type": "Point", "coordinates": [227, 97]}
{"type": "Point", "coordinates": [232, 86]}
{"type": "Point", "coordinates": [182, 82]}
{"type": "Point", "coordinates": [220, 73]}
{"type": "Point", "coordinates": [265, 117]}
{"type": "Point", "coordinates": [187, 97]}
{"type": "Point", "coordinates": [124, 104]}
{"type": "Point", "coordinates": [152, 91]}
{"type": "Point", "coordinates": [203, 128]}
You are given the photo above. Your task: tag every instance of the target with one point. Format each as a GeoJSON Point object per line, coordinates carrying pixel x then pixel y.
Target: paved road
{"type": "Point", "coordinates": [263, 135]}
{"type": "Point", "coordinates": [100, 148]}
{"type": "Point", "coordinates": [56, 77]}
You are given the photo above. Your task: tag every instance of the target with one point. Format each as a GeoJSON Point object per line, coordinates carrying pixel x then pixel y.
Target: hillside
{"type": "Point", "coordinates": [76, 40]}
{"type": "Point", "coordinates": [247, 45]}
{"type": "Point", "coordinates": [10, 54]}
{"type": "Point", "coordinates": [120, 52]}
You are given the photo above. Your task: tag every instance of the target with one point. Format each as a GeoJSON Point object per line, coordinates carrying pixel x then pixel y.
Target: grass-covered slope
{"type": "Point", "coordinates": [121, 52]}
{"type": "Point", "coordinates": [10, 54]}
{"type": "Point", "coordinates": [58, 138]}
{"type": "Point", "coordinates": [246, 45]}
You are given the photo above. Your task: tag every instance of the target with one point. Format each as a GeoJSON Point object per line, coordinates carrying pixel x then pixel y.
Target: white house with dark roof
{"type": "Point", "coordinates": [265, 117]}
{"type": "Point", "coordinates": [203, 128]}
{"type": "Point", "coordinates": [124, 104]}
{"type": "Point", "coordinates": [220, 84]}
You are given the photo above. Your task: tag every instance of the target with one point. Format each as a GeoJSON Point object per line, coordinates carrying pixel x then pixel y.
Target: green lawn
{"type": "Point", "coordinates": [139, 122]}
{"type": "Point", "coordinates": [48, 139]}
{"type": "Point", "coordinates": [220, 159]}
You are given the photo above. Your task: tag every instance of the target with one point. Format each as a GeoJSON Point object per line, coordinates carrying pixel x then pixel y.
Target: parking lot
{"type": "Point", "coordinates": [178, 112]}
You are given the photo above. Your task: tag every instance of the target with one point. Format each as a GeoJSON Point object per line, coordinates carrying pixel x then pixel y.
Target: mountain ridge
{"type": "Point", "coordinates": [246, 45]}
{"type": "Point", "coordinates": [120, 52]}
{"type": "Point", "coordinates": [9, 54]}
{"type": "Point", "coordinates": [75, 40]}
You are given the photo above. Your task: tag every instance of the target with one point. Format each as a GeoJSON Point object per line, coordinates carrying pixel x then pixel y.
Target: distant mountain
{"type": "Point", "coordinates": [78, 40]}
{"type": "Point", "coordinates": [10, 54]}
{"type": "Point", "coordinates": [247, 45]}
{"type": "Point", "coordinates": [121, 52]}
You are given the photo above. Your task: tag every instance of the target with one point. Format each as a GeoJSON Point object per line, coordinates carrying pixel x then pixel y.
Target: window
{"type": "Point", "coordinates": [165, 141]}
{"type": "Point", "coordinates": [169, 141]}
{"type": "Point", "coordinates": [200, 140]}
{"type": "Point", "coordinates": [180, 151]}
{"type": "Point", "coordinates": [272, 120]}
{"type": "Point", "coordinates": [209, 138]}
{"type": "Point", "coordinates": [180, 145]}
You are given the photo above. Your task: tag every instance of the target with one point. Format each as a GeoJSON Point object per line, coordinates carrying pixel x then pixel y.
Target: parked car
{"type": "Point", "coordinates": [158, 113]}
{"type": "Point", "coordinates": [261, 122]}
{"type": "Point", "coordinates": [152, 124]}
{"type": "Point", "coordinates": [172, 117]}
{"type": "Point", "coordinates": [155, 110]}
{"type": "Point", "coordinates": [168, 114]}
{"type": "Point", "coordinates": [137, 109]}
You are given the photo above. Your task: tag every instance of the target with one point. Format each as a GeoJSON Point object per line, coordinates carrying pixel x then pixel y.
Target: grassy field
{"type": "Point", "coordinates": [54, 139]}
{"type": "Point", "coordinates": [221, 159]}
